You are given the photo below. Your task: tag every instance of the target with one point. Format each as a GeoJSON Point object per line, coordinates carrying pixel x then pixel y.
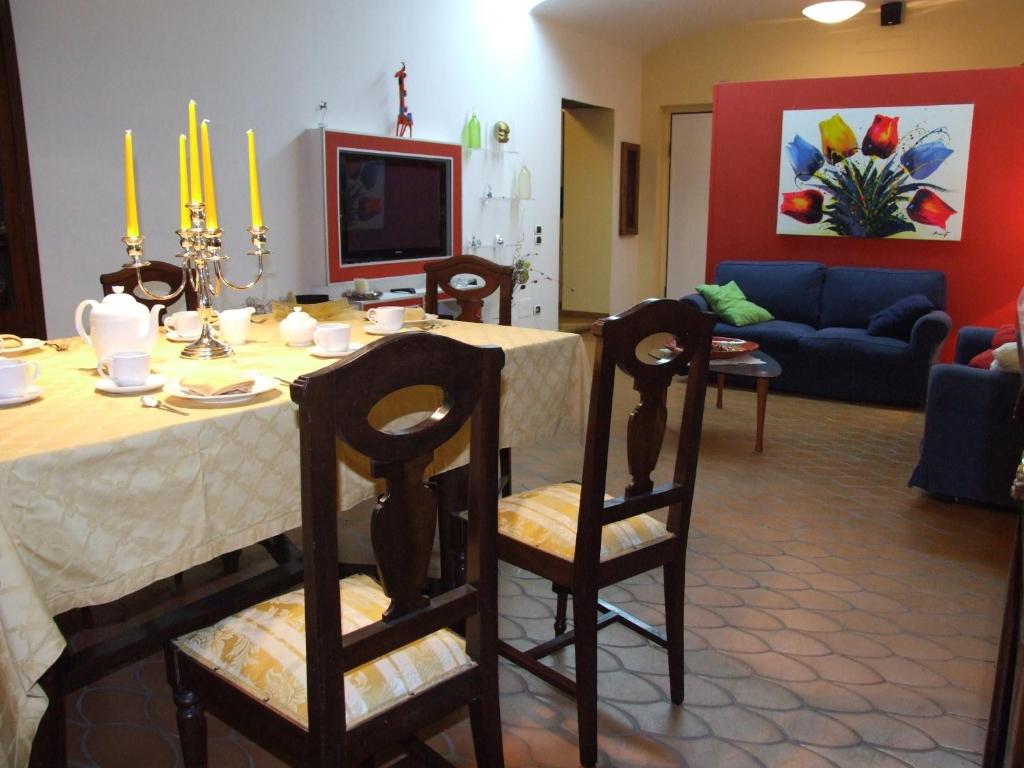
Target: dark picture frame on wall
{"type": "Point", "coordinates": [629, 189]}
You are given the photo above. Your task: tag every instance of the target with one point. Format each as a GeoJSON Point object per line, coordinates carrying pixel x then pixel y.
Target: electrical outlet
{"type": "Point", "coordinates": [539, 230]}
{"type": "Point", "coordinates": [537, 239]}
{"type": "Point", "coordinates": [536, 309]}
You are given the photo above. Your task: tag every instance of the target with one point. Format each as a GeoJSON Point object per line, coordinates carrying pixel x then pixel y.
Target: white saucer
{"type": "Point", "coordinates": [30, 394]}
{"type": "Point", "coordinates": [27, 345]}
{"type": "Point", "coordinates": [175, 336]}
{"type": "Point", "coordinates": [373, 330]}
{"type": "Point", "coordinates": [153, 381]}
{"type": "Point", "coordinates": [317, 351]}
{"type": "Point", "coordinates": [262, 384]}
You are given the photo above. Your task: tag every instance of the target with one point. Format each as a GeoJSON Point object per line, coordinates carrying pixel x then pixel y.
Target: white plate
{"type": "Point", "coordinates": [373, 330]}
{"type": "Point", "coordinates": [153, 381]}
{"type": "Point", "coordinates": [317, 351]}
{"type": "Point", "coordinates": [262, 384]}
{"type": "Point", "coordinates": [27, 345]}
{"type": "Point", "coordinates": [175, 336]}
{"type": "Point", "coordinates": [30, 394]}
{"type": "Point", "coordinates": [427, 318]}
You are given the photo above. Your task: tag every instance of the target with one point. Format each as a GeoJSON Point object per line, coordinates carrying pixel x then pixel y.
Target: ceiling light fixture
{"type": "Point", "coordinates": [833, 11]}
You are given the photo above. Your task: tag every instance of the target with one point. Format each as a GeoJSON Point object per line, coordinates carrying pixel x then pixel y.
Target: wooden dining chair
{"type": "Point", "coordinates": [583, 539]}
{"type": "Point", "coordinates": [495, 277]}
{"type": "Point", "coordinates": [451, 486]}
{"type": "Point", "coordinates": [157, 272]}
{"type": "Point", "coordinates": [275, 671]}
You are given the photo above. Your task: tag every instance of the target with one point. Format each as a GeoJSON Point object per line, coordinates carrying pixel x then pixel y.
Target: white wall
{"type": "Point", "coordinates": [90, 70]}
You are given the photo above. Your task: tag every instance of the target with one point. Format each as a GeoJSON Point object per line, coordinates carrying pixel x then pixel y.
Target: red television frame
{"type": "Point", "coordinates": [337, 271]}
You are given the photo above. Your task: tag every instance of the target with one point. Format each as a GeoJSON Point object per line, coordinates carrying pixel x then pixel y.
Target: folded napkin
{"type": "Point", "coordinates": [10, 341]}
{"type": "Point", "coordinates": [211, 384]}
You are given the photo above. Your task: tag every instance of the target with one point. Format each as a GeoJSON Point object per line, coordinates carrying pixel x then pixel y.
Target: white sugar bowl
{"type": "Point", "coordinates": [297, 329]}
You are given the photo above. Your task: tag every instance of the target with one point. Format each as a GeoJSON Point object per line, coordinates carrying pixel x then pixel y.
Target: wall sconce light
{"type": "Point", "coordinates": [833, 11]}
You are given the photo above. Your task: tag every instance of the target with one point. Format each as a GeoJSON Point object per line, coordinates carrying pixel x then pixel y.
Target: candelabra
{"type": "Point", "coordinates": [201, 269]}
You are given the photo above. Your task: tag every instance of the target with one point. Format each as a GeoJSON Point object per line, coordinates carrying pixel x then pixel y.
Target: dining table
{"type": "Point", "coordinates": [100, 497]}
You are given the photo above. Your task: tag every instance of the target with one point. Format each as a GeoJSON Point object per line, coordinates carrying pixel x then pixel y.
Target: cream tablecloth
{"type": "Point", "coordinates": [100, 497]}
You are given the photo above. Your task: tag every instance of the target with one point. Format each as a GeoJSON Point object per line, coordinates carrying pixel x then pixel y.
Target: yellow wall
{"type": "Point", "coordinates": [586, 234]}
{"type": "Point", "coordinates": [936, 35]}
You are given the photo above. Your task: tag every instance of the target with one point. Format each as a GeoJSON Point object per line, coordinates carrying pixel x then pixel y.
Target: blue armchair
{"type": "Point", "coordinates": [971, 443]}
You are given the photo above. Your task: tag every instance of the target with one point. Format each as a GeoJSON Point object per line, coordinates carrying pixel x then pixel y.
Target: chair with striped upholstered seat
{"type": "Point", "coordinates": [339, 672]}
{"type": "Point", "coordinates": [582, 539]}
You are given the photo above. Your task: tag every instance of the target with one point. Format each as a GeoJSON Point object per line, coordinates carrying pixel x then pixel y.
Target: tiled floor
{"type": "Point", "coordinates": [835, 618]}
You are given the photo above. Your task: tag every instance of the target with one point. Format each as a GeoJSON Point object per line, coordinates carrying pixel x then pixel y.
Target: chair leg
{"type": "Point", "coordinates": [584, 614]}
{"type": "Point", "coordinates": [561, 608]}
{"type": "Point", "coordinates": [452, 494]}
{"type": "Point", "coordinates": [191, 728]}
{"type": "Point", "coordinates": [505, 471]}
{"type": "Point", "coordinates": [485, 718]}
{"type": "Point", "coordinates": [675, 583]}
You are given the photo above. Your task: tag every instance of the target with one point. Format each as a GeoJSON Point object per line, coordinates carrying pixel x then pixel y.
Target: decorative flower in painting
{"type": "Point", "coordinates": [804, 205]}
{"type": "Point", "coordinates": [882, 137]}
{"type": "Point", "coordinates": [879, 193]}
{"type": "Point", "coordinates": [837, 139]}
{"type": "Point", "coordinates": [928, 208]}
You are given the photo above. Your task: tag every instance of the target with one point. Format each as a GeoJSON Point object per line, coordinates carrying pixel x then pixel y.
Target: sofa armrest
{"type": "Point", "coordinates": [930, 331]}
{"type": "Point", "coordinates": [972, 340]}
{"type": "Point", "coordinates": [698, 301]}
{"type": "Point", "coordinates": [986, 395]}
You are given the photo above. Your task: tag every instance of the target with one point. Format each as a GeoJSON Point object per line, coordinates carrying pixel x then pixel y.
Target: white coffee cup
{"type": "Point", "coordinates": [234, 325]}
{"type": "Point", "coordinates": [186, 324]}
{"type": "Point", "coordinates": [16, 376]}
{"type": "Point", "coordinates": [126, 369]}
{"type": "Point", "coordinates": [332, 337]}
{"type": "Point", "coordinates": [387, 318]}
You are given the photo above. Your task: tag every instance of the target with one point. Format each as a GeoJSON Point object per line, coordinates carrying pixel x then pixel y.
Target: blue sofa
{"type": "Point", "coordinates": [819, 334]}
{"type": "Point", "coordinates": [971, 442]}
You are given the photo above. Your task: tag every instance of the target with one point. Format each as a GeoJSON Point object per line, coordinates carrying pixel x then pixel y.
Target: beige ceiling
{"type": "Point", "coordinates": [645, 24]}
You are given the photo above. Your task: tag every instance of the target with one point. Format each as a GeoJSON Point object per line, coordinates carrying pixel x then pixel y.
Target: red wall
{"type": "Point", "coordinates": [984, 270]}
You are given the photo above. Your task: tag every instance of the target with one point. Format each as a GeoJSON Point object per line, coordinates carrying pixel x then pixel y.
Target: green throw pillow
{"type": "Point", "coordinates": [729, 303]}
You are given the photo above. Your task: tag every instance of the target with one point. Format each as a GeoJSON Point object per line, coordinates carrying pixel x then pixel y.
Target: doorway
{"type": "Point", "coordinates": [585, 248]}
{"type": "Point", "coordinates": [689, 181]}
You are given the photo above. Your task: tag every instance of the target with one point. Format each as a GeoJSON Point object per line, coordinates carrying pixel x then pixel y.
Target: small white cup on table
{"type": "Point", "coordinates": [16, 376]}
{"type": "Point", "coordinates": [387, 318]}
{"type": "Point", "coordinates": [125, 369]}
{"type": "Point", "coordinates": [333, 337]}
{"type": "Point", "coordinates": [234, 325]}
{"type": "Point", "coordinates": [186, 325]}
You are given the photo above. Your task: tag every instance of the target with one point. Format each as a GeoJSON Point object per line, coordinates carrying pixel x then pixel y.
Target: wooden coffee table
{"type": "Point", "coordinates": [767, 368]}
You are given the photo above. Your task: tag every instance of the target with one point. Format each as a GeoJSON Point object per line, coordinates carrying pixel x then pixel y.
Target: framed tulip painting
{"type": "Point", "coordinates": [896, 172]}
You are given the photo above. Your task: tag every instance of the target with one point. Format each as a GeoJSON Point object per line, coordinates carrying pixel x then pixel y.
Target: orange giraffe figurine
{"type": "Point", "coordinates": [404, 115]}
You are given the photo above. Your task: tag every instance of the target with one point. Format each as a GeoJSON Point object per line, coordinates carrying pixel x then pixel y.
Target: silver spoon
{"type": "Point", "coordinates": [148, 401]}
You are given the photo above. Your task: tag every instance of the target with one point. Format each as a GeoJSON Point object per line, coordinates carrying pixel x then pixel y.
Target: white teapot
{"type": "Point", "coordinates": [118, 324]}
{"type": "Point", "coordinates": [297, 328]}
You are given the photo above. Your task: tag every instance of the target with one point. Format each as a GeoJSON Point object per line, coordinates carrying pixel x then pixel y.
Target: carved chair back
{"type": "Point", "coordinates": [157, 272]}
{"type": "Point", "coordinates": [337, 405]}
{"type": "Point", "coordinates": [620, 346]}
{"type": "Point", "coordinates": [471, 300]}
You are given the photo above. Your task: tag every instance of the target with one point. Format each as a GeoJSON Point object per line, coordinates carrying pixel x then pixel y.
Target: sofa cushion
{"type": "Point", "coordinates": [851, 295]}
{"type": "Point", "coordinates": [774, 335]}
{"type": "Point", "coordinates": [790, 290]}
{"type": "Point", "coordinates": [1003, 335]}
{"type": "Point", "coordinates": [853, 343]}
{"type": "Point", "coordinates": [728, 302]}
{"type": "Point", "coordinates": [897, 320]}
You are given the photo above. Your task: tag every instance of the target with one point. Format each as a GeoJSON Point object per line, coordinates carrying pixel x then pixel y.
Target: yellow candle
{"type": "Point", "coordinates": [131, 213]}
{"type": "Point", "coordinates": [208, 193]}
{"type": "Point", "coordinates": [186, 221]}
{"type": "Point", "coordinates": [195, 190]}
{"type": "Point", "coordinates": [254, 183]}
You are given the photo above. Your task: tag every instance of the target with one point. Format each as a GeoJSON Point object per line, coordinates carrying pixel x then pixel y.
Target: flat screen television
{"type": "Point", "coordinates": [392, 204]}
{"type": "Point", "coordinates": [393, 207]}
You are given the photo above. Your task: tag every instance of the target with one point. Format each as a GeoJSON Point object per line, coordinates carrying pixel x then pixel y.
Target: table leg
{"type": "Point", "coordinates": [721, 388]}
{"type": "Point", "coordinates": [762, 402]}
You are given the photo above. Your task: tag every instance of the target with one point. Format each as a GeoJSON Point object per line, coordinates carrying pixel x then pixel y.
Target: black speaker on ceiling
{"type": "Point", "coordinates": [892, 13]}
